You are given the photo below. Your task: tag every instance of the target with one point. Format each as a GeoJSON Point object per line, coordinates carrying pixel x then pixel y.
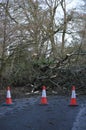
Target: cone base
{"type": "Point", "coordinates": [43, 101]}
{"type": "Point", "coordinates": [73, 105]}
{"type": "Point", "coordinates": [73, 102]}
{"type": "Point", "coordinates": [8, 101]}
{"type": "Point", "coordinates": [4, 104]}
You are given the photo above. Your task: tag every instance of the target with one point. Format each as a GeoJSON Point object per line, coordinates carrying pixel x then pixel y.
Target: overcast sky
{"type": "Point", "coordinates": [74, 2]}
{"type": "Point", "coordinates": [70, 4]}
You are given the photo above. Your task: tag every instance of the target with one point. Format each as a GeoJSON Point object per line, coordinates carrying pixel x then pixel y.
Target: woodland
{"type": "Point", "coordinates": [43, 42]}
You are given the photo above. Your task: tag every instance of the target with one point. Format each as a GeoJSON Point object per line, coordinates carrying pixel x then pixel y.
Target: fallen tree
{"type": "Point", "coordinates": [59, 78]}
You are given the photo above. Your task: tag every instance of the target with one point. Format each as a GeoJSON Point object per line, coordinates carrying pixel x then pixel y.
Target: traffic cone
{"type": "Point", "coordinates": [44, 98]}
{"type": "Point", "coordinates": [8, 97]}
{"type": "Point", "coordinates": [73, 101]}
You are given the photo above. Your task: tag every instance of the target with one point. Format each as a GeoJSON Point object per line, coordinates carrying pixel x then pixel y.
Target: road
{"type": "Point", "coordinates": [28, 114]}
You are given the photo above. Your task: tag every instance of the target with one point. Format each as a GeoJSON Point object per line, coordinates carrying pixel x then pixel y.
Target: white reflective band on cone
{"type": "Point", "coordinates": [8, 94]}
{"type": "Point", "coordinates": [43, 93]}
{"type": "Point", "coordinates": [73, 94]}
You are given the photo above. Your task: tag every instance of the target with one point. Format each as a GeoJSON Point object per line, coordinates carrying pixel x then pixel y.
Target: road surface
{"type": "Point", "coordinates": [28, 114]}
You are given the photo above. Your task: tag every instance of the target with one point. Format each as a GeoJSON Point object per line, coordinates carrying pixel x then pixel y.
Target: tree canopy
{"type": "Point", "coordinates": [38, 35]}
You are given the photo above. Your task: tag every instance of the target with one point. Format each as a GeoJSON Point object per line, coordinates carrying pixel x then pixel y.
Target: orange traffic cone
{"type": "Point", "coordinates": [73, 101]}
{"type": "Point", "coordinates": [43, 98]}
{"type": "Point", "coordinates": [8, 96]}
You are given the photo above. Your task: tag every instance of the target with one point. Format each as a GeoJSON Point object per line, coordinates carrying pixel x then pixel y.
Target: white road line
{"type": "Point", "coordinates": [80, 122]}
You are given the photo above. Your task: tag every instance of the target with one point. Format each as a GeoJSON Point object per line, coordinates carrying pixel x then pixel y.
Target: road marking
{"type": "Point", "coordinates": [80, 122]}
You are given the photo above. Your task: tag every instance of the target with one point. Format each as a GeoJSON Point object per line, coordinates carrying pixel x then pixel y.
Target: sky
{"type": "Point", "coordinates": [70, 3]}
{"type": "Point", "coordinates": [2, 1]}
{"type": "Point", "coordinates": [75, 3]}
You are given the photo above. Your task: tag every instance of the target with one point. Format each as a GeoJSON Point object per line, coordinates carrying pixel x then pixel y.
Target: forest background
{"type": "Point", "coordinates": [43, 42]}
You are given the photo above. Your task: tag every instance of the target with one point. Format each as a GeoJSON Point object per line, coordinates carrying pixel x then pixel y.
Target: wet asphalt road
{"type": "Point", "coordinates": [28, 114]}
